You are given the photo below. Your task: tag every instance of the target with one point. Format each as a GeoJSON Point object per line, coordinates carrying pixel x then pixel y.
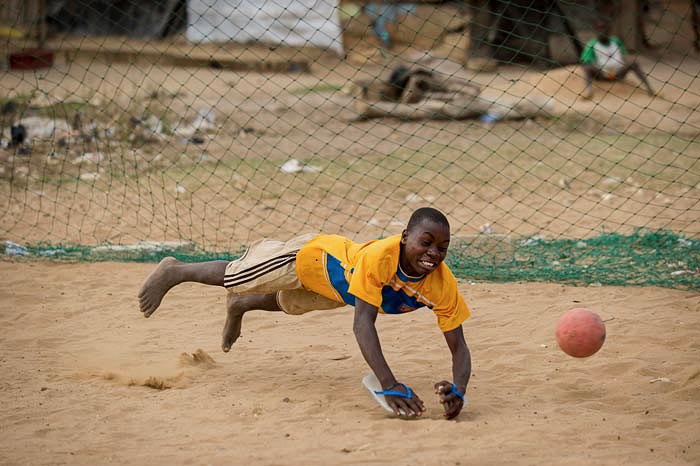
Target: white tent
{"type": "Point", "coordinates": [278, 22]}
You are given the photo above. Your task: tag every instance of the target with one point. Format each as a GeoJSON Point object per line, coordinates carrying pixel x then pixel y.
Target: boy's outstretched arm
{"type": "Point", "coordinates": [461, 371]}
{"type": "Point", "coordinates": [368, 340]}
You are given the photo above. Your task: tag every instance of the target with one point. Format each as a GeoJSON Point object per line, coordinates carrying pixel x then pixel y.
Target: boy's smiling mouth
{"type": "Point", "coordinates": [427, 264]}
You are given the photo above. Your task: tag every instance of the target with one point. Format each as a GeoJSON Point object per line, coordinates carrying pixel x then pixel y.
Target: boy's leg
{"type": "Point", "coordinates": [642, 77]}
{"type": "Point", "coordinates": [634, 67]}
{"type": "Point", "coordinates": [171, 272]}
{"type": "Point", "coordinates": [590, 73]}
{"type": "Point", "coordinates": [236, 306]}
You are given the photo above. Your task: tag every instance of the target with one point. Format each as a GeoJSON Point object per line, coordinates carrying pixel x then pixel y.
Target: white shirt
{"type": "Point", "coordinates": [609, 57]}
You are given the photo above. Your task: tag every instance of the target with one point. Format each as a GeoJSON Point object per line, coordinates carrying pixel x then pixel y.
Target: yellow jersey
{"type": "Point", "coordinates": [343, 270]}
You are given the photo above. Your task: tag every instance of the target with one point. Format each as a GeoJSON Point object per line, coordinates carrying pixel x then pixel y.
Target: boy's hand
{"type": "Point", "coordinates": [405, 406]}
{"type": "Point", "coordinates": [451, 402]}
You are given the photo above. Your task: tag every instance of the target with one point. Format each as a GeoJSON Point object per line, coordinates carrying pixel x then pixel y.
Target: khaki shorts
{"type": "Point", "coordinates": [269, 266]}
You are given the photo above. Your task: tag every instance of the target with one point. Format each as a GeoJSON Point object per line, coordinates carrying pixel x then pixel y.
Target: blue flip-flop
{"type": "Point", "coordinates": [372, 384]}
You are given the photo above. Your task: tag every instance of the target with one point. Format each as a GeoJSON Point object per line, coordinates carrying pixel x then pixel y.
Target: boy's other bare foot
{"type": "Point", "coordinates": [157, 285]}
{"type": "Point", "coordinates": [235, 308]}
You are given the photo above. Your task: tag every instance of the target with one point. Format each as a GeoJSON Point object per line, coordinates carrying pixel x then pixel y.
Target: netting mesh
{"type": "Point", "coordinates": [225, 124]}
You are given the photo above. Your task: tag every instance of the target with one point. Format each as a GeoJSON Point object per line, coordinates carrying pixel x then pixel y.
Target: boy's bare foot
{"type": "Point", "coordinates": [156, 285]}
{"type": "Point", "coordinates": [234, 319]}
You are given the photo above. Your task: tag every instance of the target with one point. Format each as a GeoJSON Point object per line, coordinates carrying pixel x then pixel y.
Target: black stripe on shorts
{"type": "Point", "coordinates": [258, 270]}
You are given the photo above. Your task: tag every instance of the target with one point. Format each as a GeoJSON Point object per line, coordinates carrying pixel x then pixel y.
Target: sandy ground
{"type": "Point", "coordinates": [87, 380]}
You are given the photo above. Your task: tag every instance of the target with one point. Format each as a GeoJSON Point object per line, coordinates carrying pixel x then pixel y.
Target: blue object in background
{"type": "Point", "coordinates": [382, 13]}
{"type": "Point", "coordinates": [489, 118]}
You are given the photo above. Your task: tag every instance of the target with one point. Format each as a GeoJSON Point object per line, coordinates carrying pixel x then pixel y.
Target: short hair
{"type": "Point", "coordinates": [427, 213]}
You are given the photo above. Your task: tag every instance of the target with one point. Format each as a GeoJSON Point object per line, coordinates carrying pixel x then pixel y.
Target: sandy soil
{"type": "Point", "coordinates": [87, 380]}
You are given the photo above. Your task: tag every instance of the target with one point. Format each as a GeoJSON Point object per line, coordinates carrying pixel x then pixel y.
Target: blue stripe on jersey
{"type": "Point", "coordinates": [393, 302]}
{"type": "Point", "coordinates": [336, 273]}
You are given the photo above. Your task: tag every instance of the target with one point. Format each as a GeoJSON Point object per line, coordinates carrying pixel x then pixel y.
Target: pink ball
{"type": "Point", "coordinates": [580, 332]}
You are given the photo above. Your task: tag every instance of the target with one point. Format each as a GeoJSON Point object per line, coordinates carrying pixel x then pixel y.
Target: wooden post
{"type": "Point", "coordinates": [626, 25]}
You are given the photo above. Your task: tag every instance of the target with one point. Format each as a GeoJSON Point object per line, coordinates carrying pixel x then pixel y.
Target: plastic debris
{"type": "Point", "coordinates": [660, 379]}
{"type": "Point", "coordinates": [295, 166]}
{"type": "Point", "coordinates": [486, 229]}
{"type": "Point", "coordinates": [14, 249]}
{"type": "Point", "coordinates": [94, 157]}
{"type": "Point", "coordinates": [489, 118]}
{"type": "Point", "coordinates": [203, 122]}
{"type": "Point", "coordinates": [43, 128]}
{"type": "Point", "coordinates": [533, 240]}
{"type": "Point", "coordinates": [89, 176]}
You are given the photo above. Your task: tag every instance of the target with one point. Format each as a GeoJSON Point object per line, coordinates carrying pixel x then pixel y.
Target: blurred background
{"type": "Point", "coordinates": [134, 130]}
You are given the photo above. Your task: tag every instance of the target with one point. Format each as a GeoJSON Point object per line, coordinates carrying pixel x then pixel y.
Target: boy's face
{"type": "Point", "coordinates": [603, 29]}
{"type": "Point", "coordinates": [424, 247]}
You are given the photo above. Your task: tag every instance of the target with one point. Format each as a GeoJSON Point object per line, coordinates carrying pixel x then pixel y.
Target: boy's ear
{"type": "Point", "coordinates": [403, 236]}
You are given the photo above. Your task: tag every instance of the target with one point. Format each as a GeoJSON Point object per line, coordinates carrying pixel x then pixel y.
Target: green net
{"type": "Point", "coordinates": [140, 133]}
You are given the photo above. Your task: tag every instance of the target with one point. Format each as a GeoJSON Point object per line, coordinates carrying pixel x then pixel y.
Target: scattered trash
{"type": "Point", "coordinates": [89, 176]}
{"type": "Point", "coordinates": [42, 128]}
{"type": "Point", "coordinates": [203, 122]}
{"type": "Point", "coordinates": [311, 169]}
{"type": "Point", "coordinates": [564, 183]}
{"type": "Point", "coordinates": [292, 166]}
{"type": "Point", "coordinates": [486, 229]}
{"type": "Point", "coordinates": [14, 249]}
{"type": "Point", "coordinates": [52, 252]}
{"type": "Point", "coordinates": [660, 379]}
{"type": "Point", "coordinates": [147, 129]}
{"type": "Point", "coordinates": [489, 118]}
{"type": "Point", "coordinates": [685, 242]}
{"type": "Point", "coordinates": [24, 150]}
{"type": "Point", "coordinates": [532, 241]}
{"type": "Point", "coordinates": [245, 130]}
{"type": "Point", "coordinates": [153, 124]}
{"type": "Point", "coordinates": [18, 134]}
{"type": "Point", "coordinates": [94, 157]}
{"type": "Point", "coordinates": [180, 189]}
{"type": "Point", "coordinates": [295, 166]}
{"type": "Point", "coordinates": [610, 181]}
